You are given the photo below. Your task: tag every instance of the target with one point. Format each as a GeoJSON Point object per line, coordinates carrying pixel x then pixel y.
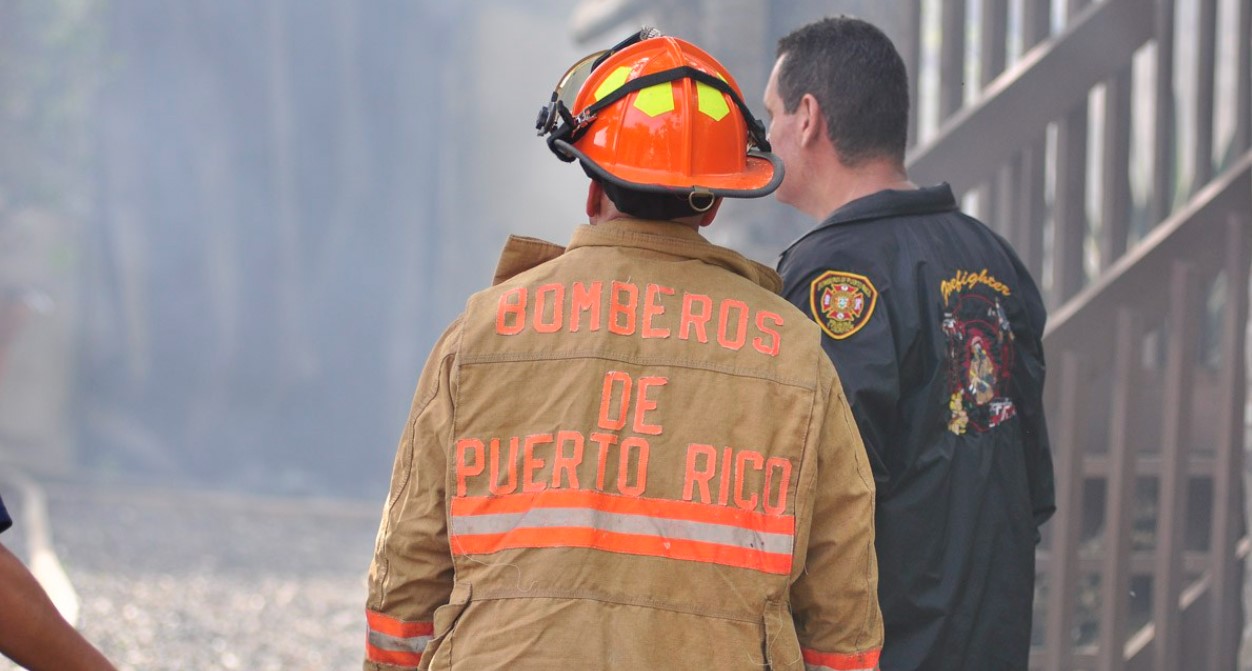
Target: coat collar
{"type": "Point", "coordinates": [888, 203]}
{"type": "Point", "coordinates": [521, 253]}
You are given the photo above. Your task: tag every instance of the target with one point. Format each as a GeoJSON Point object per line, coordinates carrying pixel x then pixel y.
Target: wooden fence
{"type": "Point", "coordinates": [1132, 202]}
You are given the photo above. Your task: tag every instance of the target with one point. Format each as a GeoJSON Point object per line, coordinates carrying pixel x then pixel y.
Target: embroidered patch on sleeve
{"type": "Point", "coordinates": [842, 302]}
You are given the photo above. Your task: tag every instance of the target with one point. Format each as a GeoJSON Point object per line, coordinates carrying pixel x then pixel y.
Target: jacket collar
{"type": "Point", "coordinates": [521, 253]}
{"type": "Point", "coordinates": [888, 203]}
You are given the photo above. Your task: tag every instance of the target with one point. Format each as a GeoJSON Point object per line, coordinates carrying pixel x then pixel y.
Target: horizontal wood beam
{"type": "Point", "coordinates": [1148, 466]}
{"type": "Point", "coordinates": [1139, 563]}
{"type": "Point", "coordinates": [1189, 234]}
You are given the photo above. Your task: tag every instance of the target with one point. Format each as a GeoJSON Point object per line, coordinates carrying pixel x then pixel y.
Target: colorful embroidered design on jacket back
{"type": "Point", "coordinates": [981, 352]}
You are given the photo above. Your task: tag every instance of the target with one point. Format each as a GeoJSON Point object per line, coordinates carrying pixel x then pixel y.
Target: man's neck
{"type": "Point", "coordinates": [844, 184]}
{"type": "Point", "coordinates": [685, 222]}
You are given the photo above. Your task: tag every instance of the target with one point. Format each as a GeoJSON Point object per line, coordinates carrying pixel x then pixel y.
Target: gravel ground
{"type": "Point", "coordinates": [194, 581]}
{"type": "Point", "coordinates": [203, 581]}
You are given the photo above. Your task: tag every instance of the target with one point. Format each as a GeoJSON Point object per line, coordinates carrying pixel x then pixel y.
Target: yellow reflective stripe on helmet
{"type": "Point", "coordinates": [710, 101]}
{"type": "Point", "coordinates": [656, 100]}
{"type": "Point", "coordinates": [613, 82]}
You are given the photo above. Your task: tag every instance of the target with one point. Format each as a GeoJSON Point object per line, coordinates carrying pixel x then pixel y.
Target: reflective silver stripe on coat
{"type": "Point", "coordinates": [414, 644]}
{"type": "Point", "coordinates": [644, 525]}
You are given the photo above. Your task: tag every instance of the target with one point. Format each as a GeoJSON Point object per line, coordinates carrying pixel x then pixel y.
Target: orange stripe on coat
{"type": "Point", "coordinates": [393, 657]}
{"type": "Point", "coordinates": [397, 628]}
{"type": "Point", "coordinates": [842, 662]}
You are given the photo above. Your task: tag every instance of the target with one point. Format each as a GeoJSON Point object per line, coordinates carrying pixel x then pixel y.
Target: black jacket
{"type": "Point", "coordinates": [935, 328]}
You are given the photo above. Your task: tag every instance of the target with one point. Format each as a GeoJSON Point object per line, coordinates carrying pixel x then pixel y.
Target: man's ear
{"type": "Point", "coordinates": [594, 193]}
{"type": "Point", "coordinates": [707, 216]}
{"type": "Point", "coordinates": [812, 123]}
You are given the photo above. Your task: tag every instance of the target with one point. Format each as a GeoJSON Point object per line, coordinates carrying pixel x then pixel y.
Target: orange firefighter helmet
{"type": "Point", "coordinates": [658, 114]}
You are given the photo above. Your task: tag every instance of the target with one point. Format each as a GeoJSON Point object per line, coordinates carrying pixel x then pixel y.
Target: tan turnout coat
{"type": "Point", "coordinates": [627, 454]}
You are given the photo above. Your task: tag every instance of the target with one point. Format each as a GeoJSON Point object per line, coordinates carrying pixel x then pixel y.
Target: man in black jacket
{"type": "Point", "coordinates": [935, 328]}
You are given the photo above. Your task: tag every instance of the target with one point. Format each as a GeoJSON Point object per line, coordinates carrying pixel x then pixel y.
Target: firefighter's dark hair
{"type": "Point", "coordinates": [859, 80]}
{"type": "Point", "coordinates": [647, 205]}
{"type": "Point", "coordinates": [644, 204]}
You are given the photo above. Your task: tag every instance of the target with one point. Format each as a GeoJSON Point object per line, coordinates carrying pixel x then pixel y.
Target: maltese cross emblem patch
{"type": "Point", "coordinates": [842, 302]}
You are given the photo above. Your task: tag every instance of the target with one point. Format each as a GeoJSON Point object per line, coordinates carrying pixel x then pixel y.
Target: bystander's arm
{"type": "Point", "coordinates": [32, 632]}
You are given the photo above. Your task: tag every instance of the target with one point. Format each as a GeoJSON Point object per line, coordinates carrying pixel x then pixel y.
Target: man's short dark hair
{"type": "Point", "coordinates": [858, 79]}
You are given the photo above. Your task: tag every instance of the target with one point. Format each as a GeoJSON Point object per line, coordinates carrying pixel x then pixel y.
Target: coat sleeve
{"type": "Point", "coordinates": [867, 360]}
{"type": "Point", "coordinates": [5, 520]}
{"type": "Point", "coordinates": [411, 574]}
{"type": "Point", "coordinates": [835, 598]}
{"type": "Point", "coordinates": [1029, 380]}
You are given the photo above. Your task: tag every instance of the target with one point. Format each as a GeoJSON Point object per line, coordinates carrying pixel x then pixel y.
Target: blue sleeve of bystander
{"type": "Point", "coordinates": [5, 520]}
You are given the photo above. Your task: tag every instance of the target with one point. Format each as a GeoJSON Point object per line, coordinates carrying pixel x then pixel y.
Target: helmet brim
{"type": "Point", "coordinates": [762, 174]}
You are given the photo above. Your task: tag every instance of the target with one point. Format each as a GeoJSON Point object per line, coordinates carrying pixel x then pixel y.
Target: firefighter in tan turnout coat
{"type": "Point", "coordinates": [630, 453]}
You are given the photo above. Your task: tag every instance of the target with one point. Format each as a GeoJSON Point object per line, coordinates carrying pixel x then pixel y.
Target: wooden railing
{"type": "Point", "coordinates": [1142, 249]}
{"type": "Point", "coordinates": [1147, 392]}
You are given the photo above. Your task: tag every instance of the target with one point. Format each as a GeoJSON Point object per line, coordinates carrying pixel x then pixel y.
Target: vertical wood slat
{"type": "Point", "coordinates": [993, 38]}
{"type": "Point", "coordinates": [1036, 22]}
{"type": "Point", "coordinates": [952, 59]}
{"type": "Point", "coordinates": [1027, 184]}
{"type": "Point", "coordinates": [1001, 199]}
{"type": "Point", "coordinates": [992, 35]}
{"type": "Point", "coordinates": [1115, 173]}
{"type": "Point", "coordinates": [1172, 492]}
{"type": "Point", "coordinates": [1243, 80]}
{"type": "Point", "coordinates": [1206, 70]}
{"type": "Point", "coordinates": [984, 201]}
{"type": "Point", "coordinates": [1031, 208]}
{"type": "Point", "coordinates": [1032, 162]}
{"type": "Point", "coordinates": [1073, 8]}
{"type": "Point", "coordinates": [1070, 207]}
{"type": "Point", "coordinates": [1224, 629]}
{"type": "Point", "coordinates": [913, 63]}
{"type": "Point", "coordinates": [1010, 200]}
{"type": "Point", "coordinates": [1163, 131]}
{"type": "Point", "coordinates": [1063, 566]}
{"type": "Point", "coordinates": [1068, 275]}
{"type": "Point", "coordinates": [1119, 501]}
